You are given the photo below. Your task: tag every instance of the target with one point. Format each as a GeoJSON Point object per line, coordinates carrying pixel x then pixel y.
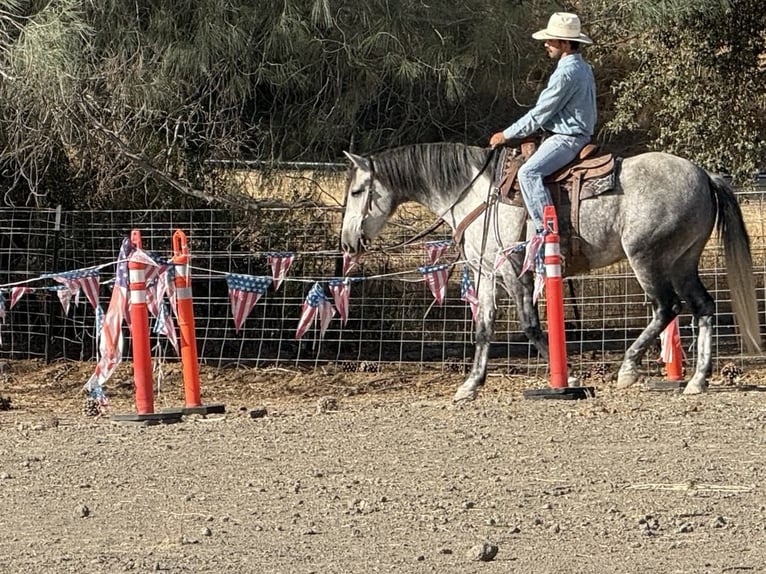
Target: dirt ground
{"type": "Point", "coordinates": [379, 472]}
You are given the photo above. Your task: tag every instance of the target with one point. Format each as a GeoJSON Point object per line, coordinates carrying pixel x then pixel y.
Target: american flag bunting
{"type": "Point", "coordinates": [350, 260]}
{"type": "Point", "coordinates": [316, 303]}
{"type": "Point", "coordinates": [244, 292]}
{"type": "Point", "coordinates": [74, 281]}
{"type": "Point", "coordinates": [111, 338]}
{"type": "Point", "coordinates": [341, 292]}
{"type": "Point", "coordinates": [280, 265]}
{"type": "Point", "coordinates": [435, 249]}
{"type": "Point", "coordinates": [468, 293]}
{"type": "Point", "coordinates": [436, 276]}
{"type": "Point", "coordinates": [17, 293]}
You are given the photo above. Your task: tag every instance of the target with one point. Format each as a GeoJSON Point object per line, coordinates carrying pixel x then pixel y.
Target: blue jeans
{"type": "Point", "coordinates": [553, 154]}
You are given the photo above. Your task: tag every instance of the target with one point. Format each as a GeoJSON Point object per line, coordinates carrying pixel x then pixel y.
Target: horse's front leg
{"type": "Point", "coordinates": [485, 330]}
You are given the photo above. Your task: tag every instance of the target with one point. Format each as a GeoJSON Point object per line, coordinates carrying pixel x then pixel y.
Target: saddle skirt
{"type": "Point", "coordinates": [589, 175]}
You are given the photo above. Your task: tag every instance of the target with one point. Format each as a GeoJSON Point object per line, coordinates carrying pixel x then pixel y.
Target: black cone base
{"type": "Point", "coordinates": [664, 385]}
{"type": "Point", "coordinates": [148, 419]}
{"type": "Point", "coordinates": [200, 410]}
{"type": "Point", "coordinates": [562, 394]}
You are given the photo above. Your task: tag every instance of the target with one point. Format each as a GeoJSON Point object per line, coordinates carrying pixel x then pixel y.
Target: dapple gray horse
{"type": "Point", "coordinates": [659, 216]}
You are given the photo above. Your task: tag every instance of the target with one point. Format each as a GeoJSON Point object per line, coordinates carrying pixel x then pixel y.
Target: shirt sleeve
{"type": "Point", "coordinates": [550, 101]}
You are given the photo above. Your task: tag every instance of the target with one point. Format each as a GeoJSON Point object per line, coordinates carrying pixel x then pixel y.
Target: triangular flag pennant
{"type": "Point", "coordinates": [244, 293]}
{"type": "Point", "coordinates": [85, 279]}
{"type": "Point", "coordinates": [163, 325]}
{"type": "Point", "coordinates": [468, 293]}
{"type": "Point", "coordinates": [350, 260]}
{"type": "Point", "coordinates": [533, 250]}
{"type": "Point", "coordinates": [2, 308]}
{"type": "Point", "coordinates": [17, 293]}
{"type": "Point", "coordinates": [435, 249]}
{"type": "Point", "coordinates": [65, 296]}
{"type": "Point", "coordinates": [436, 277]}
{"type": "Point", "coordinates": [341, 292]}
{"type": "Point", "coordinates": [316, 302]}
{"type": "Point", "coordinates": [280, 265]}
{"type": "Point", "coordinates": [326, 314]}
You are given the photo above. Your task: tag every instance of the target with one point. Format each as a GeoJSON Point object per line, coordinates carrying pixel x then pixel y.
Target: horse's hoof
{"type": "Point", "coordinates": [464, 395]}
{"type": "Point", "coordinates": [695, 387]}
{"type": "Point", "coordinates": [626, 379]}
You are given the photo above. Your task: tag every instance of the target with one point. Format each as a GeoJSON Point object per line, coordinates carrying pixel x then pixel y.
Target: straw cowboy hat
{"type": "Point", "coordinates": [563, 26]}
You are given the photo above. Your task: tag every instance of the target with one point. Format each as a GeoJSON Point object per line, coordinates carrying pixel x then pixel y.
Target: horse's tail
{"type": "Point", "coordinates": [731, 230]}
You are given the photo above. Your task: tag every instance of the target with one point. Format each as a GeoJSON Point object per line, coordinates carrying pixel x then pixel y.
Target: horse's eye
{"type": "Point", "coordinates": [356, 191]}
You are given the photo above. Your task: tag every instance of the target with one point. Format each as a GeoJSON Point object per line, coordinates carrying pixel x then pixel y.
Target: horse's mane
{"type": "Point", "coordinates": [413, 170]}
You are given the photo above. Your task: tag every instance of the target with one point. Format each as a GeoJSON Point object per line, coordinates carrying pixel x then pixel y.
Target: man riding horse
{"type": "Point", "coordinates": [565, 110]}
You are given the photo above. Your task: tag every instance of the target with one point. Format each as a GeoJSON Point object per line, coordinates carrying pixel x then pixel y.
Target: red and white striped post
{"type": "Point", "coordinates": [554, 301]}
{"type": "Point", "coordinates": [141, 346]}
{"type": "Point", "coordinates": [185, 312]}
{"type": "Point", "coordinates": [139, 331]}
{"type": "Point", "coordinates": [554, 298]}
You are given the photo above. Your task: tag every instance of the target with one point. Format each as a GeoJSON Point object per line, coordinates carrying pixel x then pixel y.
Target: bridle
{"type": "Point", "coordinates": [438, 222]}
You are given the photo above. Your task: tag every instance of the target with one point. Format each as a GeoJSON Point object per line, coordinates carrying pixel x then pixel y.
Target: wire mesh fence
{"type": "Point", "coordinates": [393, 319]}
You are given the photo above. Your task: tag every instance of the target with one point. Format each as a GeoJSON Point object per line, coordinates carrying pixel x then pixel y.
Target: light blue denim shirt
{"type": "Point", "coordinates": [566, 106]}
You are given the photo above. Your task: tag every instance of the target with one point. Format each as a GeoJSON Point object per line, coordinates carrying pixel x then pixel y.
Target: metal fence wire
{"type": "Point", "coordinates": [393, 318]}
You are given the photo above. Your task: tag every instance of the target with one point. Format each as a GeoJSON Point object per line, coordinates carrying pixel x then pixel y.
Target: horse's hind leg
{"type": "Point", "coordinates": [667, 306]}
{"type": "Point", "coordinates": [703, 308]}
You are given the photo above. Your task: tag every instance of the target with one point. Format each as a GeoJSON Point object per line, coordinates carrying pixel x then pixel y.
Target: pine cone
{"type": "Point", "coordinates": [348, 366]}
{"type": "Point", "coordinates": [91, 408]}
{"type": "Point", "coordinates": [368, 367]}
{"type": "Point", "coordinates": [730, 373]}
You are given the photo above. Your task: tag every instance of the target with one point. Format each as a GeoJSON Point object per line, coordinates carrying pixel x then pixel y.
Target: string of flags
{"type": "Point", "coordinates": [244, 293]}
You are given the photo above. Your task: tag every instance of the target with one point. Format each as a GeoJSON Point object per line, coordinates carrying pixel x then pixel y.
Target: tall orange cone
{"type": "Point", "coordinates": [672, 355]}
{"type": "Point", "coordinates": [554, 304]}
{"type": "Point", "coordinates": [141, 346]}
{"type": "Point", "coordinates": [672, 352]}
{"type": "Point", "coordinates": [185, 312]}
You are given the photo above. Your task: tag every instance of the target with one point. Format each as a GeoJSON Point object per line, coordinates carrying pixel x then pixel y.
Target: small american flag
{"type": "Point", "coordinates": [435, 249]}
{"type": "Point", "coordinates": [341, 292]}
{"type": "Point", "coordinates": [111, 339]}
{"type": "Point", "coordinates": [85, 279]}
{"type": "Point", "coordinates": [17, 293]}
{"type": "Point", "coordinates": [350, 260]}
{"type": "Point", "coordinates": [64, 294]}
{"type": "Point", "coordinates": [244, 292]}
{"type": "Point", "coordinates": [468, 293]}
{"type": "Point", "coordinates": [280, 265]}
{"type": "Point", "coordinates": [316, 302]}
{"type": "Point", "coordinates": [163, 325]}
{"type": "Point", "coordinates": [436, 277]}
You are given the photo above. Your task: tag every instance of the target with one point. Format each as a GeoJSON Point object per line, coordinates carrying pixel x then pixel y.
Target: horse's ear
{"type": "Point", "coordinates": [360, 162]}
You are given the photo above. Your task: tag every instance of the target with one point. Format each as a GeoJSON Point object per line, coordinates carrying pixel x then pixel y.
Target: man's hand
{"type": "Point", "coordinates": [497, 139]}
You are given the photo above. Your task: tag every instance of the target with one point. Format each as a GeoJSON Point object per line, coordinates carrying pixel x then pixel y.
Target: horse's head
{"type": "Point", "coordinates": [368, 205]}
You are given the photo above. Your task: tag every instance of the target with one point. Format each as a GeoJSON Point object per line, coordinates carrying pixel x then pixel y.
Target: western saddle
{"type": "Point", "coordinates": [585, 177]}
